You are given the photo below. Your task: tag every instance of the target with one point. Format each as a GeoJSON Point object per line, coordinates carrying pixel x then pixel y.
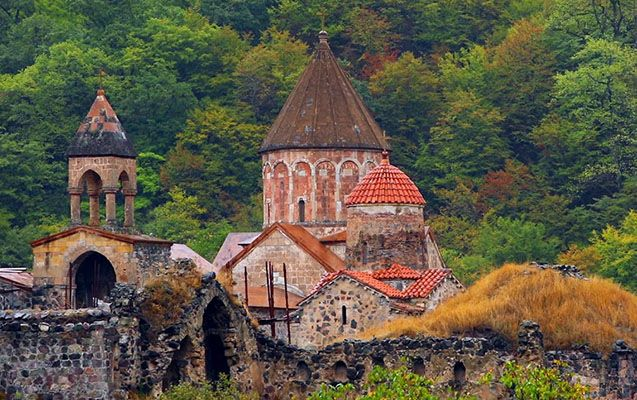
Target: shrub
{"type": "Point", "coordinates": [223, 389]}
{"type": "Point", "coordinates": [539, 383]}
{"type": "Point", "coordinates": [167, 295]}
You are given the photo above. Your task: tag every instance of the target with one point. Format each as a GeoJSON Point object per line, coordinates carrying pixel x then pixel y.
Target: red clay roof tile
{"type": "Point", "coordinates": [423, 287]}
{"type": "Point", "coordinates": [385, 184]}
{"type": "Point", "coordinates": [396, 271]}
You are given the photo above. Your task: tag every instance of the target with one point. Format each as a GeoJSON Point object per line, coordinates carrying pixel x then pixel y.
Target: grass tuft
{"type": "Point", "coordinates": [570, 312]}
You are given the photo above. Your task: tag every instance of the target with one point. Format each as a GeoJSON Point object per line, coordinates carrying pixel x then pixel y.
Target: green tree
{"type": "Point", "coordinates": [514, 240]}
{"type": "Point", "coordinates": [269, 71]}
{"type": "Point", "coordinates": [216, 160]}
{"type": "Point", "coordinates": [617, 250]}
{"type": "Point", "coordinates": [466, 141]}
{"type": "Point", "coordinates": [406, 99]}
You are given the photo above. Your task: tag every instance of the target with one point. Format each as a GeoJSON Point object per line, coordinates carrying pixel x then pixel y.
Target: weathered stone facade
{"type": "Point", "coordinates": [343, 309]}
{"type": "Point", "coordinates": [56, 260]}
{"type": "Point", "coordinates": [379, 235]}
{"type": "Point", "coordinates": [12, 297]}
{"type": "Point", "coordinates": [317, 180]}
{"type": "Point", "coordinates": [303, 270]}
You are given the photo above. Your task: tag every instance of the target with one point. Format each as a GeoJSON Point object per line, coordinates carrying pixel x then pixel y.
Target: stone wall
{"type": "Point", "coordinates": [302, 269]}
{"type": "Point", "coordinates": [290, 371]}
{"type": "Point", "coordinates": [321, 320]}
{"type": "Point", "coordinates": [13, 297]}
{"type": "Point", "coordinates": [57, 354]}
{"type": "Point", "coordinates": [321, 178]}
{"type": "Point", "coordinates": [379, 235]}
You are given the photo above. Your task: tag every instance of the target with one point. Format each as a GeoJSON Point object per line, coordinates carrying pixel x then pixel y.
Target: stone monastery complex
{"type": "Point", "coordinates": [347, 224]}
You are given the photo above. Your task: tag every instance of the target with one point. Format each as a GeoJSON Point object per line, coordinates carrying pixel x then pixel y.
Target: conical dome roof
{"type": "Point", "coordinates": [324, 111]}
{"type": "Point", "coordinates": [385, 184]}
{"type": "Point", "coordinates": [101, 133]}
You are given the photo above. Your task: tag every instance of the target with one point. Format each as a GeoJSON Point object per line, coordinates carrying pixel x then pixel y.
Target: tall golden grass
{"type": "Point", "coordinates": [570, 311]}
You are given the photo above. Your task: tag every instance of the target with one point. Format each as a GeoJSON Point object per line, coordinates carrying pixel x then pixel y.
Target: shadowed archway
{"type": "Point", "coordinates": [94, 279]}
{"type": "Point", "coordinates": [216, 323]}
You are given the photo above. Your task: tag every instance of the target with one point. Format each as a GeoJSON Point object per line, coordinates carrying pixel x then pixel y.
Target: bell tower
{"type": "Point", "coordinates": [102, 163]}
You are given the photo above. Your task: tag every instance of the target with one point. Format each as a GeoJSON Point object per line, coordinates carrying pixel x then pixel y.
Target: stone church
{"type": "Point", "coordinates": [334, 208]}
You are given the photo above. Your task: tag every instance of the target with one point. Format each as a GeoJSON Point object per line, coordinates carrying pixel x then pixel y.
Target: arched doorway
{"type": "Point", "coordinates": [216, 323]}
{"type": "Point", "coordinates": [94, 279]}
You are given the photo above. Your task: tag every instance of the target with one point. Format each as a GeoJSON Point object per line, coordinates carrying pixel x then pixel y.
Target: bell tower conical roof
{"type": "Point", "coordinates": [324, 111]}
{"type": "Point", "coordinates": [101, 133]}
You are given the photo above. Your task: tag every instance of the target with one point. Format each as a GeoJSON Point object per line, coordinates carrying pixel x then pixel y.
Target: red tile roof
{"type": "Point", "coordinates": [423, 287]}
{"type": "Point", "coordinates": [101, 133]}
{"type": "Point", "coordinates": [427, 281]}
{"type": "Point", "coordinates": [304, 239]}
{"type": "Point", "coordinates": [396, 271]}
{"type": "Point", "coordinates": [385, 184]}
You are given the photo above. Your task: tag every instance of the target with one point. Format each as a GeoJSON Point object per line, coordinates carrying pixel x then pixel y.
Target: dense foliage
{"type": "Point", "coordinates": [516, 118]}
{"type": "Point", "coordinates": [516, 382]}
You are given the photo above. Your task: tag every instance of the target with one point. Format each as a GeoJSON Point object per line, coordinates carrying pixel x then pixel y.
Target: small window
{"type": "Point", "coordinates": [344, 315]}
{"type": "Point", "coordinates": [301, 210]}
{"type": "Point", "coordinates": [364, 253]}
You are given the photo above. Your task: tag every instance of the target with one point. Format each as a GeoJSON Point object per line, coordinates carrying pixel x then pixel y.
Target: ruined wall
{"type": "Point", "coordinates": [321, 318]}
{"type": "Point", "coordinates": [379, 235]}
{"type": "Point", "coordinates": [291, 372]}
{"type": "Point", "coordinates": [57, 353]}
{"type": "Point", "coordinates": [303, 270]}
{"type": "Point", "coordinates": [320, 178]}
{"type": "Point", "coordinates": [14, 298]}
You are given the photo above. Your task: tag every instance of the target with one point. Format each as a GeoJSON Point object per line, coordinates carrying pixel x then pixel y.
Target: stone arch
{"type": "Point", "coordinates": [349, 177]}
{"type": "Point", "coordinates": [418, 366]}
{"type": "Point", "coordinates": [93, 277]}
{"type": "Point", "coordinates": [325, 191]}
{"type": "Point", "coordinates": [459, 373]}
{"type": "Point", "coordinates": [303, 372]}
{"type": "Point", "coordinates": [91, 183]}
{"type": "Point", "coordinates": [177, 370]}
{"type": "Point", "coordinates": [302, 189]}
{"type": "Point", "coordinates": [267, 193]}
{"type": "Point", "coordinates": [368, 166]}
{"type": "Point", "coordinates": [215, 325]}
{"type": "Point", "coordinates": [280, 191]}
{"type": "Point", "coordinates": [340, 371]}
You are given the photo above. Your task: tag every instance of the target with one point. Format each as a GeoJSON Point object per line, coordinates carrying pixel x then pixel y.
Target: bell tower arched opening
{"type": "Point", "coordinates": [216, 323]}
{"type": "Point", "coordinates": [94, 279]}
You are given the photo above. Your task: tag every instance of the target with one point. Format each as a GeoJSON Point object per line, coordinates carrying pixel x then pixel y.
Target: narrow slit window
{"type": "Point", "coordinates": [344, 315]}
{"type": "Point", "coordinates": [301, 210]}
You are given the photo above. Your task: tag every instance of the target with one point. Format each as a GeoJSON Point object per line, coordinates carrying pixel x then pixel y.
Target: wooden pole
{"type": "Point", "coordinates": [272, 323]}
{"type": "Point", "coordinates": [245, 284]}
{"type": "Point", "coordinates": [287, 306]}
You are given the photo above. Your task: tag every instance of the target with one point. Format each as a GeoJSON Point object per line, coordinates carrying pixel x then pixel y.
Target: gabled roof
{"type": "Point", "coordinates": [335, 237]}
{"type": "Point", "coordinates": [232, 245]}
{"type": "Point", "coordinates": [396, 271]}
{"type": "Point", "coordinates": [179, 250]}
{"type": "Point", "coordinates": [101, 133]}
{"type": "Point", "coordinates": [20, 279]}
{"type": "Point", "coordinates": [122, 237]}
{"type": "Point", "coordinates": [324, 111]}
{"type": "Point", "coordinates": [427, 281]}
{"type": "Point", "coordinates": [385, 184]}
{"type": "Point", "coordinates": [300, 236]}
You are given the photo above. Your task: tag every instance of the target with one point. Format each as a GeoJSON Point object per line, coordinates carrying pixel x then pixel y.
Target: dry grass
{"type": "Point", "coordinates": [570, 311]}
{"type": "Point", "coordinates": [167, 297]}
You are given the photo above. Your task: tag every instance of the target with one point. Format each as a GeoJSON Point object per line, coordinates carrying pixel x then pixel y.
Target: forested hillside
{"type": "Point", "coordinates": [517, 118]}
